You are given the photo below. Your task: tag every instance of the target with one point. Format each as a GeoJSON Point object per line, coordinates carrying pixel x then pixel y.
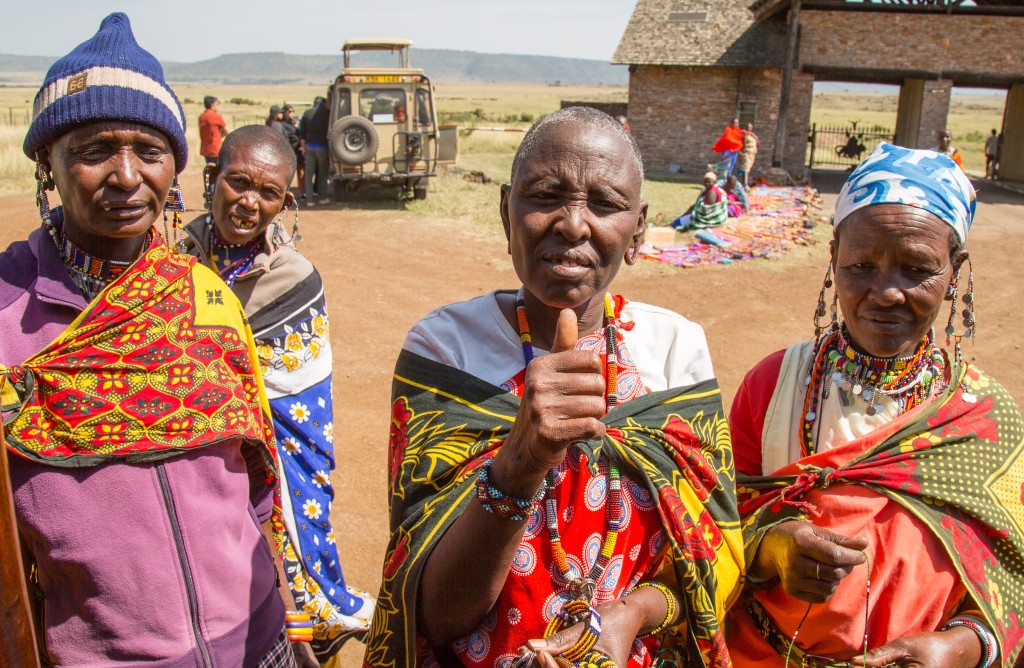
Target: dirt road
{"type": "Point", "coordinates": [385, 269]}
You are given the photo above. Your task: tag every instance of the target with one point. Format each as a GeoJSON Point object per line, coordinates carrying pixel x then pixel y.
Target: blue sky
{"type": "Point", "coordinates": [189, 30]}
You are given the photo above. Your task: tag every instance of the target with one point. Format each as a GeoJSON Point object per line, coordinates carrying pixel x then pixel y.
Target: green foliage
{"type": "Point", "coordinates": [244, 101]}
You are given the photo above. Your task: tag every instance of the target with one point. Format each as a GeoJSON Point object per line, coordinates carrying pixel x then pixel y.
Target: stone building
{"type": "Point", "coordinates": [696, 64]}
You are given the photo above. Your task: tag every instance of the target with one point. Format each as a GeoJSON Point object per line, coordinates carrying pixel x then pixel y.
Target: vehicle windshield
{"type": "Point", "coordinates": [383, 105]}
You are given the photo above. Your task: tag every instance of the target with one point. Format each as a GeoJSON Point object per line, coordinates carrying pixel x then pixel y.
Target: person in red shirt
{"type": "Point", "coordinates": [212, 130]}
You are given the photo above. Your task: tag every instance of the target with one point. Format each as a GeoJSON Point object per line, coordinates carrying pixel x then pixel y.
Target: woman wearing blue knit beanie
{"type": "Point", "coordinates": [143, 457]}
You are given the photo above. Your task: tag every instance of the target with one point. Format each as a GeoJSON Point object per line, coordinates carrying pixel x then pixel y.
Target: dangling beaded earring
{"type": "Point", "coordinates": [44, 182]}
{"type": "Point", "coordinates": [952, 290]}
{"type": "Point", "coordinates": [208, 188]}
{"type": "Point", "coordinates": [176, 205]}
{"type": "Point", "coordinates": [969, 321]}
{"type": "Point", "coordinates": [970, 324]}
{"type": "Point", "coordinates": [819, 312]}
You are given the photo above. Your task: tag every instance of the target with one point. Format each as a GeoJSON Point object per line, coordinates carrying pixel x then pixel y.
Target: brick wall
{"type": "Point", "coordinates": [677, 113]}
{"type": "Point", "coordinates": [934, 43]}
{"type": "Point", "coordinates": [613, 109]}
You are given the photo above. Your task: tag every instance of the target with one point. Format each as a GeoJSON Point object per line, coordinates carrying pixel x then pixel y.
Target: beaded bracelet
{"type": "Point", "coordinates": [671, 605]}
{"type": "Point", "coordinates": [495, 501]}
{"type": "Point", "coordinates": [990, 647]}
{"type": "Point", "coordinates": [590, 634]}
{"type": "Point", "coordinates": [595, 659]}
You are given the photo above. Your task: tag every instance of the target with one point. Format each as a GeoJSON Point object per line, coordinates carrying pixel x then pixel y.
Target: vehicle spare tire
{"type": "Point", "coordinates": [353, 140]}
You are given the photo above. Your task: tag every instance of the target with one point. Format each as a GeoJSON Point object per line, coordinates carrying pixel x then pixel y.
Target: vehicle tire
{"type": "Point", "coordinates": [420, 190]}
{"type": "Point", "coordinates": [353, 140]}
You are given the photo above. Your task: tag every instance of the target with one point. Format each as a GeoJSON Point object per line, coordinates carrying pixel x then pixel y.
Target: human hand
{"type": "Point", "coordinates": [959, 647]}
{"type": "Point", "coordinates": [621, 623]}
{"type": "Point", "coordinates": [808, 560]}
{"type": "Point", "coordinates": [563, 402]}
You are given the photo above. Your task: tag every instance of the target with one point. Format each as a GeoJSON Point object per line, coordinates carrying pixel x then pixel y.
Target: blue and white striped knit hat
{"type": "Point", "coordinates": [923, 179]}
{"type": "Point", "coordinates": [108, 77]}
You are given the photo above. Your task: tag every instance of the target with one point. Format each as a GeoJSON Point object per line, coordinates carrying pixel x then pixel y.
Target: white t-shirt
{"type": "Point", "coordinates": [474, 336]}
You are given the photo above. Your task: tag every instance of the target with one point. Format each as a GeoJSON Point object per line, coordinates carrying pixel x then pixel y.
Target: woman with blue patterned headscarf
{"type": "Point", "coordinates": [879, 476]}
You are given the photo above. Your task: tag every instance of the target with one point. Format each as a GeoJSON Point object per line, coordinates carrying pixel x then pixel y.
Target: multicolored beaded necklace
{"type": "Point", "coordinates": [90, 274]}
{"type": "Point", "coordinates": [581, 588]}
{"type": "Point", "coordinates": [907, 380]}
{"type": "Point", "coordinates": [231, 260]}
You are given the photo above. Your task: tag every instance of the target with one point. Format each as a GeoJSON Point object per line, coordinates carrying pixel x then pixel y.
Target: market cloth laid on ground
{"type": "Point", "coordinates": [773, 226]}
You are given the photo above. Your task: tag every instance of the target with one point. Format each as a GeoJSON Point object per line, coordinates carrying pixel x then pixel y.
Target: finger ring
{"type": "Point", "coordinates": [817, 570]}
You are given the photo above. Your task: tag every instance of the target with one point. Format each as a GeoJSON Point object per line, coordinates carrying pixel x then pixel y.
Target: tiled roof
{"type": "Point", "coordinates": [701, 32]}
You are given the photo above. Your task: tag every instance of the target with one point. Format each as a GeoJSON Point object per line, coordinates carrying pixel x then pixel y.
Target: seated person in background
{"type": "Point", "coordinates": [243, 239]}
{"type": "Point", "coordinates": [710, 208]}
{"type": "Point", "coordinates": [879, 479]}
{"type": "Point", "coordinates": [576, 503]}
{"type": "Point", "coordinates": [737, 196]}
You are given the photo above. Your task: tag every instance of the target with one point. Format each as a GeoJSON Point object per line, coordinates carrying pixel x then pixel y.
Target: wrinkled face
{"type": "Point", "coordinates": [250, 190]}
{"type": "Point", "coordinates": [113, 177]}
{"type": "Point", "coordinates": [572, 213]}
{"type": "Point", "coordinates": [892, 266]}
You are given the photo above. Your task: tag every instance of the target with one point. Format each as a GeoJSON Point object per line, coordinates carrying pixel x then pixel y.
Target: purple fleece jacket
{"type": "Point", "coordinates": [158, 563]}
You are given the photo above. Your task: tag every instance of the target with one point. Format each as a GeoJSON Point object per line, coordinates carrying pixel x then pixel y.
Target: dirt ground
{"type": "Point", "coordinates": [385, 269]}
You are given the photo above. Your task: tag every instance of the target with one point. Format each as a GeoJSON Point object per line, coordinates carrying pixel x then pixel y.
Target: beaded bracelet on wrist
{"type": "Point", "coordinates": [989, 644]}
{"type": "Point", "coordinates": [595, 659]}
{"type": "Point", "coordinates": [591, 633]}
{"type": "Point", "coordinates": [493, 500]}
{"type": "Point", "coordinates": [298, 626]}
{"type": "Point", "coordinates": [671, 607]}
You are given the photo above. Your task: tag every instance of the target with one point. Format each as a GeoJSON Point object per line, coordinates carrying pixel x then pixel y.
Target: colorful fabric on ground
{"type": "Point", "coordinates": [160, 362]}
{"type": "Point", "coordinates": [923, 179]}
{"type": "Point", "coordinates": [772, 226]}
{"type": "Point", "coordinates": [284, 300]}
{"type": "Point", "coordinates": [445, 423]}
{"type": "Point", "coordinates": [956, 465]}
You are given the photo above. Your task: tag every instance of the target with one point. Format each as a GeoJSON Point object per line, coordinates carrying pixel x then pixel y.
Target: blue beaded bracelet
{"type": "Point", "coordinates": [495, 501]}
{"type": "Point", "coordinates": [989, 644]}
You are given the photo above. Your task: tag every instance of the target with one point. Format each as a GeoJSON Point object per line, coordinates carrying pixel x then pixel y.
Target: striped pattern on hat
{"type": "Point", "coordinates": [108, 77]}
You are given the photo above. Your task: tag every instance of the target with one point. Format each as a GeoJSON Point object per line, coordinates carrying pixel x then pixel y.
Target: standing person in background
{"type": "Point", "coordinates": [275, 119]}
{"type": "Point", "coordinates": [303, 122]}
{"type": "Point", "coordinates": [212, 129]}
{"type": "Point", "coordinates": [745, 161]}
{"type": "Point", "coordinates": [291, 133]}
{"type": "Point", "coordinates": [728, 149]}
{"type": "Point", "coordinates": [991, 155]}
{"type": "Point", "coordinates": [243, 239]}
{"type": "Point", "coordinates": [946, 148]}
{"type": "Point", "coordinates": [313, 133]}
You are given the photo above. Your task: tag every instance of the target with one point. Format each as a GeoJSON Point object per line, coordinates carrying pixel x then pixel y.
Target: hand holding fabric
{"type": "Point", "coordinates": [956, 648]}
{"type": "Point", "coordinates": [808, 560]}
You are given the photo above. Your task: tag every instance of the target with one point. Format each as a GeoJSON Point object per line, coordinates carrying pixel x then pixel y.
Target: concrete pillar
{"type": "Point", "coordinates": [908, 112]}
{"type": "Point", "coordinates": [1011, 157]}
{"type": "Point", "coordinates": [934, 112]}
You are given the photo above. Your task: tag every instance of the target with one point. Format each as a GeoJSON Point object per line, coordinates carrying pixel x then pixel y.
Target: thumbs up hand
{"type": "Point", "coordinates": [563, 402]}
{"type": "Point", "coordinates": [809, 561]}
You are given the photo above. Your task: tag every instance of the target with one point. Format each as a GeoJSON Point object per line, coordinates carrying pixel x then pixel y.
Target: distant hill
{"type": "Point", "coordinates": [439, 64]}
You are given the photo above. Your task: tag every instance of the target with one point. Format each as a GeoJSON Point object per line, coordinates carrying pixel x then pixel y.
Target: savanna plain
{"type": "Point", "coordinates": [386, 264]}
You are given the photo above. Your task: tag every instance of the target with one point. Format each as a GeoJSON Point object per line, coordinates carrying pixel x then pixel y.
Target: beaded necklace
{"type": "Point", "coordinates": [581, 588]}
{"type": "Point", "coordinates": [246, 252]}
{"type": "Point", "coordinates": [907, 380]}
{"type": "Point", "coordinates": [91, 274]}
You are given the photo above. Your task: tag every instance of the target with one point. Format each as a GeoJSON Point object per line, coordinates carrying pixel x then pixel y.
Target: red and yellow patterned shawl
{"type": "Point", "coordinates": [161, 362]}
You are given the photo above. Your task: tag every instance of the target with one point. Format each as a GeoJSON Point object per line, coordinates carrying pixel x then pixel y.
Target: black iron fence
{"type": "Point", "coordinates": [843, 146]}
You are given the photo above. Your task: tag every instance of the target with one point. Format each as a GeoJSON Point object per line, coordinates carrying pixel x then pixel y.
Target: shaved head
{"type": "Point", "coordinates": [249, 137]}
{"type": "Point", "coordinates": [585, 117]}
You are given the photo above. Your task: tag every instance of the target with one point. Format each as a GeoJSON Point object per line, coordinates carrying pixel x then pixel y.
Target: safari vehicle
{"type": "Point", "coordinates": [384, 128]}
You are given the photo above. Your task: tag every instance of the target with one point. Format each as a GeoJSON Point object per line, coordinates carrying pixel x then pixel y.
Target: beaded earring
{"type": "Point", "coordinates": [969, 321]}
{"type": "Point", "coordinates": [819, 311]}
{"type": "Point", "coordinates": [44, 182]}
{"type": "Point", "coordinates": [208, 187]}
{"type": "Point", "coordinates": [176, 205]}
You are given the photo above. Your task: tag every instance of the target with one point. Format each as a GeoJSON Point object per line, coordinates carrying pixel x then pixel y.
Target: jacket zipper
{"type": "Point", "coordinates": [179, 543]}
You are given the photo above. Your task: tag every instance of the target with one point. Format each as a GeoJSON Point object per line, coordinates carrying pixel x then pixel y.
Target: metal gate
{"type": "Point", "coordinates": [835, 146]}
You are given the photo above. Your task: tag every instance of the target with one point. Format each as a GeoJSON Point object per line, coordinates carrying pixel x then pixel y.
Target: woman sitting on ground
{"type": "Point", "coordinates": [145, 458]}
{"type": "Point", "coordinates": [736, 196]}
{"type": "Point", "coordinates": [243, 239]}
{"type": "Point", "coordinates": [879, 479]}
{"type": "Point", "coordinates": [577, 503]}
{"type": "Point", "coordinates": [709, 210]}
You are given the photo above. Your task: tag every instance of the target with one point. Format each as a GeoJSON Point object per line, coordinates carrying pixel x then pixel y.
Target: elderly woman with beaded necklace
{"type": "Point", "coordinates": [576, 503]}
{"type": "Point", "coordinates": [878, 479]}
{"type": "Point", "coordinates": [144, 449]}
